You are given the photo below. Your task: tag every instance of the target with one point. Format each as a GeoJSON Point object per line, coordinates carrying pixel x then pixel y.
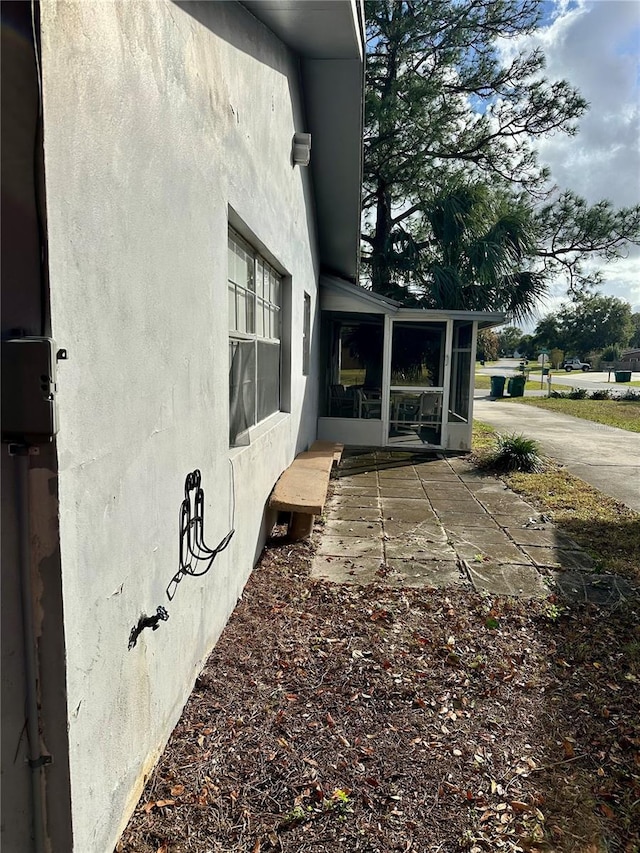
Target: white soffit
{"type": "Point", "coordinates": [316, 29]}
{"type": "Point", "coordinates": [328, 37]}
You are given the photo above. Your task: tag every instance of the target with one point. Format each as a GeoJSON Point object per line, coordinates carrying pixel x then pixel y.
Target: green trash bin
{"type": "Point", "coordinates": [623, 376]}
{"type": "Point", "coordinates": [497, 386]}
{"type": "Point", "coordinates": [516, 386]}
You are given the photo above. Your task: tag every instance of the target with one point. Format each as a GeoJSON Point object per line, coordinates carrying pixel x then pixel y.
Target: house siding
{"type": "Point", "coordinates": [159, 118]}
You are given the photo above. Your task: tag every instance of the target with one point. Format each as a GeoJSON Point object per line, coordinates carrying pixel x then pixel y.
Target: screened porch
{"type": "Point", "coordinates": [395, 377]}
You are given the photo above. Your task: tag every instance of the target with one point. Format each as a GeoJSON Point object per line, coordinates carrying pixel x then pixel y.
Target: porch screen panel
{"type": "Point", "coordinates": [460, 372]}
{"type": "Point", "coordinates": [417, 354]}
{"type": "Point", "coordinates": [352, 355]}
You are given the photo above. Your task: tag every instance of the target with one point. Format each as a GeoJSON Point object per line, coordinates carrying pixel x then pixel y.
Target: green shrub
{"type": "Point", "coordinates": [578, 394]}
{"type": "Point", "coordinates": [583, 394]}
{"type": "Point", "coordinates": [631, 395]}
{"type": "Point", "coordinates": [516, 453]}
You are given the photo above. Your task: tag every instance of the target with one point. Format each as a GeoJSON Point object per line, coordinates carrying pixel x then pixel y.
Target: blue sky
{"type": "Point", "coordinates": [595, 44]}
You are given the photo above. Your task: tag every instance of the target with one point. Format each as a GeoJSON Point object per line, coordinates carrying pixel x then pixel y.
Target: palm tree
{"type": "Point", "coordinates": [469, 252]}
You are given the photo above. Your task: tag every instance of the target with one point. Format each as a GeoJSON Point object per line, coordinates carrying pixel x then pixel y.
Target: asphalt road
{"type": "Point", "coordinates": [606, 457]}
{"type": "Point", "coordinates": [592, 380]}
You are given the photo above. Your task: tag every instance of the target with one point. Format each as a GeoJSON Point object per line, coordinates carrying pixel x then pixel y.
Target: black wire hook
{"type": "Point", "coordinates": [193, 549]}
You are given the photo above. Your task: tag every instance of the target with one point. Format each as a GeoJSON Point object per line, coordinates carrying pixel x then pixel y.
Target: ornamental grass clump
{"type": "Point", "coordinates": [517, 453]}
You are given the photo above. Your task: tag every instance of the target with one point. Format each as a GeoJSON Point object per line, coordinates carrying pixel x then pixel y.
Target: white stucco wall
{"type": "Point", "coordinates": [157, 118]}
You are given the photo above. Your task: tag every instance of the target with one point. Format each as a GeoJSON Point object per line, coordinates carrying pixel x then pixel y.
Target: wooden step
{"type": "Point", "coordinates": [302, 488]}
{"type": "Point", "coordinates": [328, 446]}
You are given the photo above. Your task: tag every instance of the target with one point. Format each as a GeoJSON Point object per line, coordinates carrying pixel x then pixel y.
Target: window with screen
{"type": "Point", "coordinates": [306, 335]}
{"type": "Point", "coordinates": [255, 300]}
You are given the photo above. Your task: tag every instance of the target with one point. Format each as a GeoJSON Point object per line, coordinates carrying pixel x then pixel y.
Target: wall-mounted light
{"type": "Point", "coordinates": [301, 149]}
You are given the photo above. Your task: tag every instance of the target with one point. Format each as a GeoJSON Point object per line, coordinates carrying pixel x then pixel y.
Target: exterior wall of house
{"type": "Point", "coordinates": [20, 309]}
{"type": "Point", "coordinates": [34, 800]}
{"type": "Point", "coordinates": [159, 119]}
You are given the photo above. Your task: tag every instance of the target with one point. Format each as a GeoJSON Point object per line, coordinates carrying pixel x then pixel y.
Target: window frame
{"type": "Point", "coordinates": [259, 298]}
{"type": "Point", "coordinates": [306, 334]}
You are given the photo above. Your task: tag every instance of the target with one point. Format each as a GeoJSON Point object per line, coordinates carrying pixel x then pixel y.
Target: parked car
{"type": "Point", "coordinates": [575, 364]}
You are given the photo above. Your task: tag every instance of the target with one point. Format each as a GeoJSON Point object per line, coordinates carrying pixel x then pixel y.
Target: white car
{"type": "Point", "coordinates": [575, 364]}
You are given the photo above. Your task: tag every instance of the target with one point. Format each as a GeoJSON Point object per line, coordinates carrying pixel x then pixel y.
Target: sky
{"type": "Point", "coordinates": [595, 45]}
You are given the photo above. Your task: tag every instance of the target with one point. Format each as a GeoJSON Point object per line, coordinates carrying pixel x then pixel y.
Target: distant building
{"type": "Point", "coordinates": [630, 360]}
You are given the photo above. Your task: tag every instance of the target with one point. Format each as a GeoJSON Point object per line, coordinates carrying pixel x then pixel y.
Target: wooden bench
{"type": "Point", "coordinates": [302, 488]}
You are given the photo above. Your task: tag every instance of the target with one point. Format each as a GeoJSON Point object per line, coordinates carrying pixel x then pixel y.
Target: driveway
{"type": "Point", "coordinates": [606, 457]}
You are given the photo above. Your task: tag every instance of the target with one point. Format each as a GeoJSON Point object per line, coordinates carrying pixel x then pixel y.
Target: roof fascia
{"type": "Point", "coordinates": [369, 299]}
{"type": "Point", "coordinates": [328, 38]}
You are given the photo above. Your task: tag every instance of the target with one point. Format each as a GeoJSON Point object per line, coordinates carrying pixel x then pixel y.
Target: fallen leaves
{"type": "Point", "coordinates": [158, 804]}
{"type": "Point", "coordinates": [389, 720]}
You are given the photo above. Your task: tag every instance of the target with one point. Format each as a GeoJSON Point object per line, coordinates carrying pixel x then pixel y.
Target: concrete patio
{"type": "Point", "coordinates": [411, 519]}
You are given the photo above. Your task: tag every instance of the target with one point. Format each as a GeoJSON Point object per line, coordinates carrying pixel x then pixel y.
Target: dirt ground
{"type": "Point", "coordinates": [344, 718]}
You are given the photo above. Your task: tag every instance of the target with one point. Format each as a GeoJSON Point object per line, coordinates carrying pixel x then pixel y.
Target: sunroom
{"type": "Point", "coordinates": [393, 376]}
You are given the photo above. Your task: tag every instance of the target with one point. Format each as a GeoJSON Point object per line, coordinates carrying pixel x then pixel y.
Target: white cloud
{"type": "Point", "coordinates": [596, 47]}
{"type": "Point", "coordinates": [592, 46]}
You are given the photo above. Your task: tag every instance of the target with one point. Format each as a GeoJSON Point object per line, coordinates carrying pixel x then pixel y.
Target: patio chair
{"type": "Point", "coordinates": [407, 409]}
{"type": "Point", "coordinates": [341, 402]}
{"type": "Point", "coordinates": [428, 408]}
{"type": "Point", "coordinates": [368, 405]}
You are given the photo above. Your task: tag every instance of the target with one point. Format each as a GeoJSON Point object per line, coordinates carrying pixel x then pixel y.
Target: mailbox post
{"type": "Point", "coordinates": [542, 357]}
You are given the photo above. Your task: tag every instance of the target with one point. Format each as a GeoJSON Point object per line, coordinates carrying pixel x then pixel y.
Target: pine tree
{"type": "Point", "coordinates": [452, 184]}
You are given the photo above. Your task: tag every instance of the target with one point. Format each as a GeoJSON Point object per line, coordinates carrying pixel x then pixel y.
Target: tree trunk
{"type": "Point", "coordinates": [382, 245]}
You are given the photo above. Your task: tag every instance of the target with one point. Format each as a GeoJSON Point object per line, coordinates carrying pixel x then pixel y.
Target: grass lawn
{"type": "Point", "coordinates": [353, 376]}
{"type": "Point", "coordinates": [604, 527]}
{"type": "Point", "coordinates": [624, 414]}
{"type": "Point", "coordinates": [484, 381]}
{"type": "Point", "coordinates": [557, 372]}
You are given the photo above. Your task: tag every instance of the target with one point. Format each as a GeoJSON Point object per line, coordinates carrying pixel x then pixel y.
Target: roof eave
{"type": "Point", "coordinates": [328, 37]}
{"type": "Point", "coordinates": [384, 305]}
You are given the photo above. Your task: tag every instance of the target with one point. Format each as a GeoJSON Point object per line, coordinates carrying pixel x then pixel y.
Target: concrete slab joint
{"type": "Point", "coordinates": [435, 522]}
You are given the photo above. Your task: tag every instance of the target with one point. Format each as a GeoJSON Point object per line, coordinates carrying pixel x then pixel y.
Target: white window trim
{"type": "Point", "coordinates": [255, 433]}
{"type": "Point", "coordinates": [306, 333]}
{"type": "Point", "coordinates": [260, 264]}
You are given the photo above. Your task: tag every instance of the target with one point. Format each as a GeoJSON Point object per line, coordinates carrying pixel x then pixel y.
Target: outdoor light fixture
{"type": "Point", "coordinates": [301, 149]}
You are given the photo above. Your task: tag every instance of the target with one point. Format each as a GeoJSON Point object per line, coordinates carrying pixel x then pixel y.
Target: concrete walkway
{"type": "Point", "coordinates": [606, 457]}
{"type": "Point", "coordinates": [405, 519]}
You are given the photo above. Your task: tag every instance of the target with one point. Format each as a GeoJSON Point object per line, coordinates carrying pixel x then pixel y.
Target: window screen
{"type": "Point", "coordinates": [306, 335]}
{"type": "Point", "coordinates": [254, 304]}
